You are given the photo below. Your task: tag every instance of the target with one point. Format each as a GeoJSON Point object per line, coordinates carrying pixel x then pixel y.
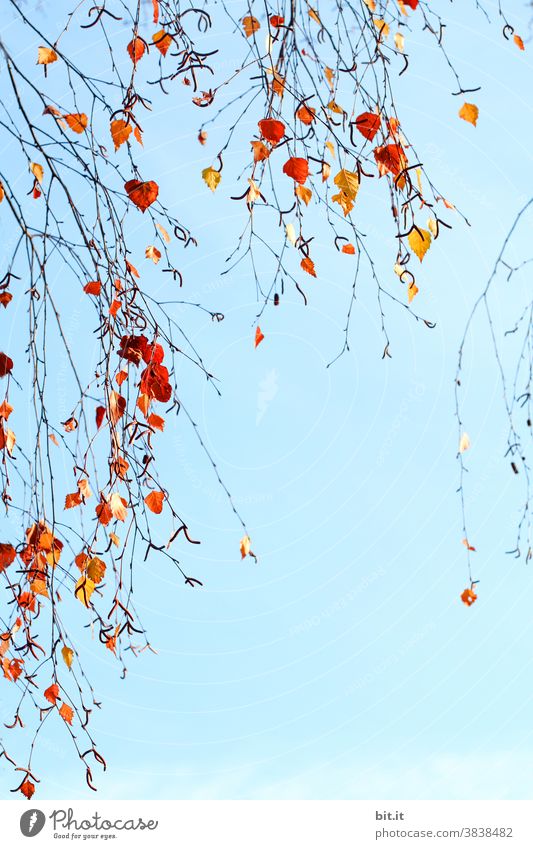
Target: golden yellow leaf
{"type": "Point", "coordinates": [469, 112]}
{"type": "Point", "coordinates": [382, 27]}
{"type": "Point", "coordinates": [419, 242]}
{"type": "Point", "coordinates": [37, 171]}
{"type": "Point", "coordinates": [399, 41]}
{"type": "Point", "coordinates": [412, 291]}
{"type": "Point", "coordinates": [329, 145]}
{"type": "Point", "coordinates": [344, 201]}
{"type": "Point", "coordinates": [84, 589]}
{"type": "Point", "coordinates": [67, 655]}
{"type": "Point", "coordinates": [211, 177]}
{"type": "Point", "coordinates": [96, 570]}
{"type": "Point", "coordinates": [347, 182]}
{"type": "Point", "coordinates": [120, 132]}
{"type": "Point", "coordinates": [314, 16]}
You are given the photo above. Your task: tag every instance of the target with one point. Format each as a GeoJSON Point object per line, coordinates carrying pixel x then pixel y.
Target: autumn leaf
{"type": "Point", "coordinates": [308, 265]}
{"type": "Point", "coordinates": [162, 41]}
{"type": "Point", "coordinates": [70, 424]}
{"type": "Point", "coordinates": [271, 130]}
{"type": "Point", "coordinates": [27, 788]}
{"type": "Point", "coordinates": [368, 124]}
{"type": "Point", "coordinates": [83, 488]}
{"type": "Point", "coordinates": [5, 299]}
{"type": "Point", "coordinates": [419, 242]}
{"type": "Point", "coordinates": [156, 421]}
{"type": "Point", "coordinates": [117, 406]}
{"type": "Point", "coordinates": [290, 233]}
{"type": "Point", "coordinates": [52, 694]}
{"type": "Point", "coordinates": [211, 177]}
{"type": "Point", "coordinates": [412, 291]}
{"type": "Point", "coordinates": [314, 16]}
{"type": "Point", "coordinates": [100, 413]}
{"type": "Point", "coordinates": [260, 151]}
{"type": "Point", "coordinates": [163, 232]}
{"type": "Point", "coordinates": [468, 597]}
{"type": "Point", "coordinates": [154, 501]}
{"type": "Point", "coordinates": [250, 25]}
{"type": "Point", "coordinates": [77, 122]}
{"type": "Point", "coordinates": [96, 569]}
{"type": "Point", "coordinates": [259, 336]}
{"type": "Point", "coordinates": [303, 193]}
{"type": "Point", "coordinates": [84, 589]}
{"type": "Point", "coordinates": [399, 41]}
{"type": "Point", "coordinates": [348, 248]}
{"type": "Point", "coordinates": [66, 713]}
{"type": "Point", "coordinates": [277, 21]}
{"type": "Point", "coordinates": [5, 410]}
{"type": "Point", "coordinates": [120, 132]}
{"type": "Point", "coordinates": [464, 443]}
{"type": "Point", "coordinates": [347, 182]}
{"type": "Point", "coordinates": [37, 171]}
{"type": "Point", "coordinates": [382, 27]}
{"type": "Point", "coordinates": [306, 114]}
{"type": "Point", "coordinates": [73, 499]}
{"type": "Point", "coordinates": [94, 287]}
{"type": "Point", "coordinates": [45, 56]}
{"type": "Point", "coordinates": [153, 253]}
{"type": "Point", "coordinates": [6, 365]}
{"type": "Point", "coordinates": [7, 555]}
{"type": "Point", "coordinates": [118, 506]}
{"type": "Point", "coordinates": [297, 168]}
{"type": "Point", "coordinates": [142, 194]}
{"type": "Point", "coordinates": [467, 545]}
{"type": "Point", "coordinates": [68, 656]}
{"type": "Point", "coordinates": [244, 546]}
{"type": "Point", "coordinates": [469, 112]}
{"type": "Point", "coordinates": [518, 41]}
{"type": "Point", "coordinates": [136, 49]}
{"type": "Point", "coordinates": [390, 158]}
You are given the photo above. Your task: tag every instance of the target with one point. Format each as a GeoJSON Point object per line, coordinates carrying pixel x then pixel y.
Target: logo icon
{"type": "Point", "coordinates": [32, 822]}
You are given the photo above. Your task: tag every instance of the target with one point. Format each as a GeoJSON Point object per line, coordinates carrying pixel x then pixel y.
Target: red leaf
{"type": "Point", "coordinates": [100, 413]}
{"type": "Point", "coordinates": [297, 168]}
{"type": "Point", "coordinates": [390, 158]}
{"type": "Point", "coordinates": [142, 194]}
{"type": "Point", "coordinates": [7, 555]}
{"type": "Point", "coordinates": [277, 20]}
{"type": "Point", "coordinates": [93, 288]}
{"type": "Point", "coordinates": [6, 364]}
{"type": "Point", "coordinates": [272, 130]}
{"type": "Point", "coordinates": [259, 336]}
{"type": "Point", "coordinates": [368, 123]}
{"type": "Point", "coordinates": [132, 348]}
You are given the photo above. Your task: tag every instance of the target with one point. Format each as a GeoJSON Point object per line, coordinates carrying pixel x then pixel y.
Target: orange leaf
{"type": "Point", "coordinates": [156, 422]}
{"type": "Point", "coordinates": [303, 193]}
{"type": "Point", "coordinates": [66, 713]}
{"type": "Point", "coordinates": [468, 597]}
{"type": "Point", "coordinates": [469, 112]}
{"type": "Point", "coordinates": [77, 122]}
{"type": "Point", "coordinates": [348, 248]}
{"type": "Point", "coordinates": [162, 41]}
{"type": "Point", "coordinates": [73, 499]}
{"type": "Point", "coordinates": [120, 131]}
{"type": "Point", "coordinates": [5, 298]}
{"type": "Point", "coordinates": [390, 158]}
{"type": "Point", "coordinates": [94, 287]}
{"type": "Point", "coordinates": [153, 253]}
{"type": "Point", "coordinates": [259, 336]}
{"type": "Point", "coordinates": [45, 55]}
{"type": "Point", "coordinates": [271, 130]}
{"type": "Point", "coordinates": [154, 501]}
{"type": "Point", "coordinates": [5, 410]}
{"type": "Point", "coordinates": [250, 25]}
{"type": "Point", "coordinates": [136, 49]}
{"type": "Point", "coordinates": [308, 265]}
{"type": "Point", "coordinates": [52, 694]}
{"type": "Point", "coordinates": [368, 123]}
{"type": "Point", "coordinates": [244, 546]}
{"type": "Point", "coordinates": [277, 21]}
{"type": "Point", "coordinates": [27, 788]}
{"type": "Point", "coordinates": [142, 194]}
{"type": "Point", "coordinates": [518, 41]}
{"type": "Point", "coordinates": [297, 168]}
{"type": "Point", "coordinates": [260, 150]}
{"type": "Point", "coordinates": [306, 114]}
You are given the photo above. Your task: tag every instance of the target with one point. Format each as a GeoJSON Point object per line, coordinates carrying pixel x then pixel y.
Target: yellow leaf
{"type": "Point", "coordinates": [469, 112]}
{"type": "Point", "coordinates": [419, 242]}
{"type": "Point", "coordinates": [412, 291]}
{"type": "Point", "coordinates": [211, 177]}
{"type": "Point", "coordinates": [347, 182]}
{"type": "Point", "coordinates": [399, 41]}
{"type": "Point", "coordinates": [37, 171]}
{"type": "Point", "coordinates": [68, 656]}
{"type": "Point", "coordinates": [304, 194]}
{"type": "Point", "coordinates": [344, 201]}
{"type": "Point", "coordinates": [333, 106]}
{"type": "Point", "coordinates": [464, 443]}
{"type": "Point", "coordinates": [331, 149]}
{"type": "Point", "coordinates": [382, 27]}
{"type": "Point", "coordinates": [84, 590]}
{"type": "Point", "coordinates": [45, 55]}
{"type": "Point", "coordinates": [329, 73]}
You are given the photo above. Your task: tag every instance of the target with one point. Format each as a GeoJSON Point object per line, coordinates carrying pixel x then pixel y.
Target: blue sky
{"type": "Point", "coordinates": [343, 665]}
